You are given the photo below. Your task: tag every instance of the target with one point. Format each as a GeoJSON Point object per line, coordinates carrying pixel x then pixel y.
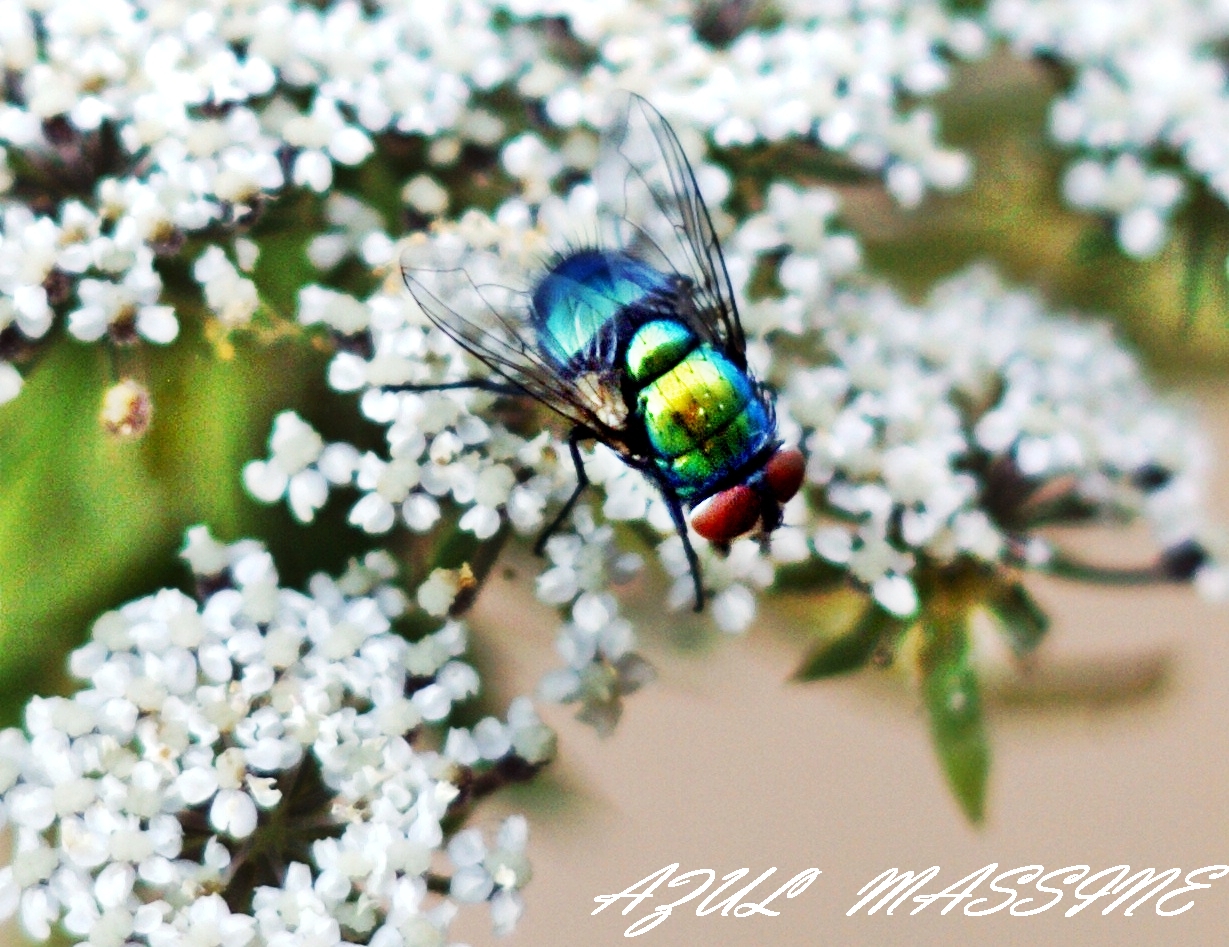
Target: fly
{"type": "Point", "coordinates": [636, 342]}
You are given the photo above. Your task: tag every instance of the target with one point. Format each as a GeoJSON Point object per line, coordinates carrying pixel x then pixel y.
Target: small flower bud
{"type": "Point", "coordinates": [1151, 477]}
{"type": "Point", "coordinates": [1182, 561]}
{"type": "Point", "coordinates": [126, 409]}
{"type": "Point", "coordinates": [448, 591]}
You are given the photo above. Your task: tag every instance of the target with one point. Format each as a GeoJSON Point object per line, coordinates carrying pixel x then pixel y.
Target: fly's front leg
{"type": "Point", "coordinates": [770, 518]}
{"type": "Point", "coordinates": [577, 435]}
{"type": "Point", "coordinates": [475, 384]}
{"type": "Point", "coordinates": [680, 526]}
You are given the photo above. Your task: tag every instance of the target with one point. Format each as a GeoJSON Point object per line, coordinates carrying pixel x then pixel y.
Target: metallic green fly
{"type": "Point", "coordinates": [635, 341]}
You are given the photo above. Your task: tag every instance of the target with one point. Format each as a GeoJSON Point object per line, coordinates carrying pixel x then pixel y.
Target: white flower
{"type": "Point", "coordinates": [233, 813]}
{"type": "Point", "coordinates": [1147, 82]}
{"type": "Point", "coordinates": [1142, 200]}
{"type": "Point", "coordinates": [10, 383]}
{"type": "Point", "coordinates": [496, 875]}
{"type": "Point", "coordinates": [127, 828]}
{"type": "Point", "coordinates": [323, 134]}
{"type": "Point", "coordinates": [233, 298]}
{"type": "Point", "coordinates": [438, 592]}
{"type": "Point", "coordinates": [424, 194]}
{"type": "Point", "coordinates": [339, 311]}
{"type": "Point", "coordinates": [292, 469]}
{"type": "Point", "coordinates": [122, 308]}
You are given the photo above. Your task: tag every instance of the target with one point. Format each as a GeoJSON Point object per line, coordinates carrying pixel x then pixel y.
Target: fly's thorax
{"type": "Point", "coordinates": [705, 420]}
{"type": "Point", "coordinates": [588, 295]}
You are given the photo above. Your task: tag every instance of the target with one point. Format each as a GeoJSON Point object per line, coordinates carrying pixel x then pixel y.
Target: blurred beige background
{"type": "Point", "coordinates": [723, 764]}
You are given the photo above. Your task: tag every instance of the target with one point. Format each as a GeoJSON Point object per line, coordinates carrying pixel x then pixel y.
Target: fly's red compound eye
{"type": "Point", "coordinates": [727, 515]}
{"type": "Point", "coordinates": [784, 472]}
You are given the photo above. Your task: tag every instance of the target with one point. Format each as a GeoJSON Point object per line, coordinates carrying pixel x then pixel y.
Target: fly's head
{"type": "Point", "coordinates": [739, 509]}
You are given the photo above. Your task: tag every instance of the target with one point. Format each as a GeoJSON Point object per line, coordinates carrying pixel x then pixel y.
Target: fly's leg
{"type": "Point", "coordinates": [582, 481]}
{"type": "Point", "coordinates": [680, 526]}
{"type": "Point", "coordinates": [770, 518]}
{"type": "Point", "coordinates": [476, 384]}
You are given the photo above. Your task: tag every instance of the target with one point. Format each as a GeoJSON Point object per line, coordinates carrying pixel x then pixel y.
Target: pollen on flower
{"type": "Point", "coordinates": [444, 588]}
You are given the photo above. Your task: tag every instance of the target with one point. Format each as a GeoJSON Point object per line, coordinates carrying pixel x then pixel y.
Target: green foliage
{"type": "Point", "coordinates": [874, 630]}
{"type": "Point", "coordinates": [1206, 224]}
{"type": "Point", "coordinates": [1023, 622]}
{"type": "Point", "coordinates": [88, 521]}
{"type": "Point", "coordinates": [950, 693]}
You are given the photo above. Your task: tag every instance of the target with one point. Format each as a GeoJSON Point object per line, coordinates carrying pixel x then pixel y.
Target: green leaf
{"type": "Point", "coordinates": [1198, 252]}
{"type": "Point", "coordinates": [1021, 618]}
{"type": "Point", "coordinates": [852, 650]}
{"type": "Point", "coordinates": [88, 521]}
{"type": "Point", "coordinates": [1095, 245]}
{"type": "Point", "coordinates": [949, 688]}
{"type": "Point", "coordinates": [813, 575]}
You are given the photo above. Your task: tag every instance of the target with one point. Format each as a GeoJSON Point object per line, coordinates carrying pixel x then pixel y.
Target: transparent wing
{"type": "Point", "coordinates": [648, 193]}
{"type": "Point", "coordinates": [472, 303]}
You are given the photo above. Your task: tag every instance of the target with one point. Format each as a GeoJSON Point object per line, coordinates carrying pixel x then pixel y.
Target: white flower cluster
{"type": "Point", "coordinates": [300, 468]}
{"type": "Point", "coordinates": [957, 427]}
{"type": "Point", "coordinates": [1149, 82]}
{"type": "Point", "coordinates": [140, 123]}
{"type": "Point", "coordinates": [839, 72]}
{"type": "Point", "coordinates": [595, 641]}
{"type": "Point", "coordinates": [438, 450]}
{"type": "Point", "coordinates": [494, 875]}
{"type": "Point", "coordinates": [245, 770]}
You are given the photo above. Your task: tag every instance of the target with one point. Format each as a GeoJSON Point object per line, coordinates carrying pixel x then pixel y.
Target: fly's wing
{"type": "Point", "coordinates": [648, 192]}
{"type": "Point", "coordinates": [468, 297]}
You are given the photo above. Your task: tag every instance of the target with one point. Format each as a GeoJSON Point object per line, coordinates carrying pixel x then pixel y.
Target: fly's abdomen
{"type": "Point", "coordinates": [704, 421]}
{"type": "Point", "coordinates": [696, 473]}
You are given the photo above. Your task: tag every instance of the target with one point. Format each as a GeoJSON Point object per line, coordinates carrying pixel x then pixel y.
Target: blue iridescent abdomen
{"type": "Point", "coordinates": [702, 417]}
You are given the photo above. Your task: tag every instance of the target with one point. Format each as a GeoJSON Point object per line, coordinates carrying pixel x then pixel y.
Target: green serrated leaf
{"type": "Point", "coordinates": [852, 650]}
{"type": "Point", "coordinates": [1021, 618]}
{"type": "Point", "coordinates": [949, 688]}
